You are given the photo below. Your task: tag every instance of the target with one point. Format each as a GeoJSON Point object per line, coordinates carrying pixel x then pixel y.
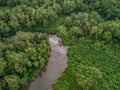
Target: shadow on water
{"type": "Point", "coordinates": [53, 69]}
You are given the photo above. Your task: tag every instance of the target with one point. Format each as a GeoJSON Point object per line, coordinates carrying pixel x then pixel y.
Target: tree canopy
{"type": "Point", "coordinates": [90, 27]}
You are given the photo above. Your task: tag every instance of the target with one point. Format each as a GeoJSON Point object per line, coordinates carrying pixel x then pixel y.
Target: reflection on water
{"type": "Point", "coordinates": [55, 66]}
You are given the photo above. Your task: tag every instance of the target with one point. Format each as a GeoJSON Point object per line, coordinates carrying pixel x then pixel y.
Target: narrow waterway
{"type": "Point", "coordinates": [54, 68]}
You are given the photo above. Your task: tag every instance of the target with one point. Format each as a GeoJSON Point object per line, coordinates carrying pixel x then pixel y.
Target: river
{"type": "Point", "coordinates": [54, 68]}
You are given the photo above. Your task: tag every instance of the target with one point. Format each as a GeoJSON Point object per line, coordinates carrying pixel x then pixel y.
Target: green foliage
{"type": "Point", "coordinates": [12, 81]}
{"type": "Point", "coordinates": [77, 25]}
{"type": "Point", "coordinates": [68, 6]}
{"type": "Point", "coordinates": [2, 67]}
{"type": "Point", "coordinates": [91, 67]}
{"type": "Point", "coordinates": [20, 17]}
{"type": "Point", "coordinates": [21, 58]}
{"type": "Point", "coordinates": [93, 63]}
{"type": "Point", "coordinates": [108, 9]}
{"type": "Point", "coordinates": [106, 31]}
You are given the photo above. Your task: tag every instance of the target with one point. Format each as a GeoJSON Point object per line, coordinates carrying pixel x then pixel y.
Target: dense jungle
{"type": "Point", "coordinates": [91, 29]}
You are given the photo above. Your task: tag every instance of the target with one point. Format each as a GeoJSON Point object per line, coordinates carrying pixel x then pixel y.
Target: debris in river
{"type": "Point", "coordinates": [58, 53]}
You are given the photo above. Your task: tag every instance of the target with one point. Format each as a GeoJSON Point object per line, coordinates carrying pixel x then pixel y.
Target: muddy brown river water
{"type": "Point", "coordinates": [54, 68]}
